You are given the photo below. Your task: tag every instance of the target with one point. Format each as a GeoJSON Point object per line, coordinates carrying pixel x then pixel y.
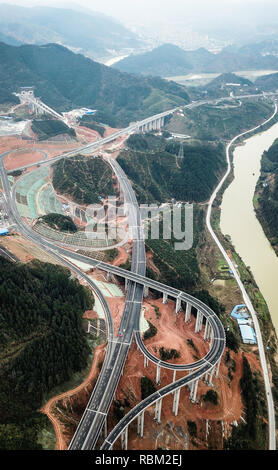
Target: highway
{"type": "Point", "coordinates": [94, 417]}
{"type": "Point", "coordinates": [90, 148]}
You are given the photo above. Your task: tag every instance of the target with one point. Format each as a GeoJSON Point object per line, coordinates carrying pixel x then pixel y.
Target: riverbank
{"type": "Point", "coordinates": [245, 289]}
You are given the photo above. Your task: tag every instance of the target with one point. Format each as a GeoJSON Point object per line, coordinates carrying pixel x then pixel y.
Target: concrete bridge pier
{"type": "Point", "coordinates": [194, 390]}
{"type": "Point", "coordinates": [140, 424]}
{"type": "Point", "coordinates": [89, 326]}
{"type": "Point", "coordinates": [198, 323]}
{"type": "Point", "coordinates": [146, 361]}
{"type": "Point", "coordinates": [158, 407]}
{"type": "Point", "coordinates": [217, 368]}
{"type": "Point", "coordinates": [211, 376]}
{"type": "Point", "coordinates": [165, 298]}
{"type": "Point", "coordinates": [187, 312]}
{"type": "Point", "coordinates": [108, 276]}
{"type": "Point", "coordinates": [178, 305]}
{"type": "Point", "coordinates": [146, 291]}
{"type": "Point", "coordinates": [124, 438]}
{"type": "Point", "coordinates": [126, 284]}
{"type": "Point", "coordinates": [157, 380]}
{"type": "Point", "coordinates": [206, 330]}
{"type": "Point", "coordinates": [176, 401]}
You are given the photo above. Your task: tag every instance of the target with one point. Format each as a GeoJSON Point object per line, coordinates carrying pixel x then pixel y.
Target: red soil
{"type": "Point", "coordinates": [20, 158]}
{"type": "Point", "coordinates": [49, 409]}
{"type": "Point", "coordinates": [121, 258]}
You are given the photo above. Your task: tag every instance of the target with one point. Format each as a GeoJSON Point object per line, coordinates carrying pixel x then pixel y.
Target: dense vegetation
{"type": "Point", "coordinates": [65, 80]}
{"type": "Point", "coordinates": [151, 331]}
{"type": "Point", "coordinates": [158, 176]}
{"type": "Point", "coordinates": [267, 210]}
{"type": "Point", "coordinates": [41, 343]}
{"type": "Point", "coordinates": [252, 435]}
{"type": "Point", "coordinates": [59, 222]}
{"type": "Point", "coordinates": [211, 396]}
{"type": "Point", "coordinates": [84, 179]}
{"type": "Point", "coordinates": [166, 354]}
{"type": "Point", "coordinates": [46, 128]}
{"type": "Point", "coordinates": [147, 387]}
{"type": "Point", "coordinates": [210, 122]}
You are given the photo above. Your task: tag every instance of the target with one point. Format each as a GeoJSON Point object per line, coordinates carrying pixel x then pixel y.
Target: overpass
{"type": "Point", "coordinates": [94, 418]}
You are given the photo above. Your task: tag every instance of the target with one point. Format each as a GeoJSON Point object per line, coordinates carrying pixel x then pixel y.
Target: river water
{"type": "Point", "coordinates": [238, 218]}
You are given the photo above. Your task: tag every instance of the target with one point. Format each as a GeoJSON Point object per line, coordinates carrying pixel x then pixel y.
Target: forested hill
{"type": "Point", "coordinates": [65, 80]}
{"type": "Point", "coordinates": [267, 209]}
{"type": "Point", "coordinates": [42, 343]}
{"type": "Point", "coordinates": [158, 175]}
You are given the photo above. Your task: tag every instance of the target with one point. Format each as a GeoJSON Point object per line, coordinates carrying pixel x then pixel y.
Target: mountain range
{"type": "Point", "coordinates": [65, 80]}
{"type": "Point", "coordinates": [170, 60]}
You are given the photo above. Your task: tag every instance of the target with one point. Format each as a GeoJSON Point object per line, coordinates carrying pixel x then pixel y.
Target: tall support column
{"type": "Point", "coordinates": [146, 361]}
{"type": "Point", "coordinates": [165, 298]}
{"type": "Point", "coordinates": [206, 329]}
{"type": "Point", "coordinates": [200, 326]}
{"type": "Point", "coordinates": [174, 376]}
{"type": "Point", "coordinates": [124, 438]}
{"type": "Point", "coordinates": [187, 312]}
{"type": "Point", "coordinates": [176, 401]}
{"type": "Point", "coordinates": [208, 332]}
{"type": "Point", "coordinates": [98, 327]}
{"type": "Point", "coordinates": [178, 305]}
{"type": "Point", "coordinates": [195, 390]}
{"type": "Point", "coordinates": [191, 388]}
{"type": "Point", "coordinates": [211, 376]}
{"type": "Point", "coordinates": [140, 424]}
{"type": "Point", "coordinates": [108, 276]}
{"type": "Point", "coordinates": [197, 321]}
{"type": "Point", "coordinates": [146, 291]}
{"type": "Point", "coordinates": [126, 283]}
{"type": "Point", "coordinates": [162, 122]}
{"type": "Point", "coordinates": [157, 374]}
{"type": "Point", "coordinates": [217, 368]}
{"type": "Point", "coordinates": [158, 406]}
{"type": "Point", "coordinates": [89, 326]}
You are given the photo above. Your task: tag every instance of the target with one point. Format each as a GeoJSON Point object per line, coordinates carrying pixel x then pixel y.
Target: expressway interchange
{"type": "Point", "coordinates": [94, 417]}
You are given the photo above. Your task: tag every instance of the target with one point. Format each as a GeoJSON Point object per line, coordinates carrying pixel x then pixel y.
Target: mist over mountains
{"type": "Point", "coordinates": [93, 34]}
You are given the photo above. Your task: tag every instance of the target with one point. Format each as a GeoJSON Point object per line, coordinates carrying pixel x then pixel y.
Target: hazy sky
{"type": "Point", "coordinates": [202, 14]}
{"type": "Point", "coordinates": [174, 9]}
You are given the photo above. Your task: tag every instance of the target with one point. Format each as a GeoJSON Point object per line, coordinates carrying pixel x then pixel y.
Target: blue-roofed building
{"type": "Point", "coordinates": [3, 231]}
{"type": "Point", "coordinates": [247, 334]}
{"type": "Point", "coordinates": [239, 312]}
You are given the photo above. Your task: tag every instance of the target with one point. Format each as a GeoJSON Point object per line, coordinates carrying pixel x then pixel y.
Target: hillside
{"type": "Point", "coordinates": [41, 344]}
{"type": "Point", "coordinates": [268, 82]}
{"type": "Point", "coordinates": [212, 122]}
{"type": "Point", "coordinates": [65, 80]}
{"type": "Point", "coordinates": [84, 179]}
{"type": "Point", "coordinates": [152, 165]}
{"type": "Point", "coordinates": [267, 190]}
{"type": "Point", "coordinates": [93, 34]}
{"type": "Point", "coordinates": [169, 60]}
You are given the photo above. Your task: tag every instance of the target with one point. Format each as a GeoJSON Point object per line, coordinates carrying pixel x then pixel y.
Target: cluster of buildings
{"type": "Point", "coordinates": [240, 313]}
